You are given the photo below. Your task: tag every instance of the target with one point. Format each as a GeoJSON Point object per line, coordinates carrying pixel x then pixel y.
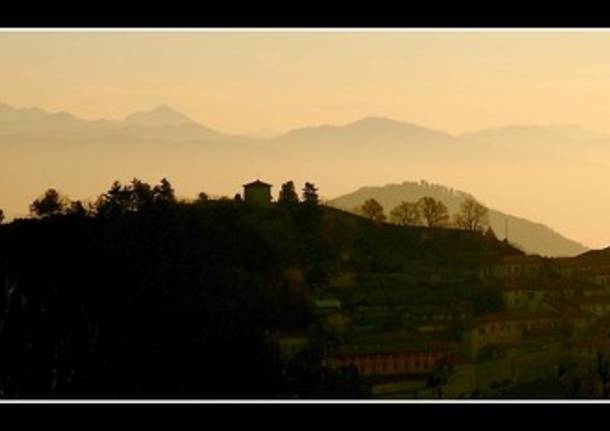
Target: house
{"type": "Point", "coordinates": [391, 353]}
{"type": "Point", "coordinates": [586, 351]}
{"type": "Point", "coordinates": [573, 318]}
{"type": "Point", "coordinates": [600, 275]}
{"type": "Point", "coordinates": [514, 266]}
{"type": "Point", "coordinates": [598, 305]}
{"type": "Point", "coordinates": [528, 294]}
{"type": "Point", "coordinates": [434, 318]}
{"type": "Point", "coordinates": [509, 328]}
{"type": "Point", "coordinates": [257, 192]}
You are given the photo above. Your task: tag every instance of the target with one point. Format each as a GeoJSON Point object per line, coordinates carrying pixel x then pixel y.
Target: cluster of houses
{"type": "Point", "coordinates": [556, 316]}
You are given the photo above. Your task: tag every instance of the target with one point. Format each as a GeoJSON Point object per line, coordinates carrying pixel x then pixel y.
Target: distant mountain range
{"type": "Point", "coordinates": [531, 237]}
{"type": "Point", "coordinates": [82, 157]}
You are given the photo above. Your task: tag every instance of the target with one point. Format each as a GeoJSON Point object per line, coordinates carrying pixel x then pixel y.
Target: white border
{"type": "Point", "coordinates": [305, 29]}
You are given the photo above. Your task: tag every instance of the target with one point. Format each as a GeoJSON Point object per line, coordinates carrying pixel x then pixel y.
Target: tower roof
{"type": "Point", "coordinates": [257, 183]}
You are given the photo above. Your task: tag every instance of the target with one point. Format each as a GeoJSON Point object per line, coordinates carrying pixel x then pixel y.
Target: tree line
{"type": "Point", "coordinates": [430, 212]}
{"type": "Point", "coordinates": [138, 195]}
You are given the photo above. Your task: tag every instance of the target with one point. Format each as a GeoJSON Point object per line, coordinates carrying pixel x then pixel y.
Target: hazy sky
{"type": "Point", "coordinates": [254, 82]}
{"type": "Point", "coordinates": [248, 82]}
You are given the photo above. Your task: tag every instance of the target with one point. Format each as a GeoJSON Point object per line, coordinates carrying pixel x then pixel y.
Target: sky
{"type": "Point", "coordinates": [268, 82]}
{"type": "Point", "coordinates": [264, 82]}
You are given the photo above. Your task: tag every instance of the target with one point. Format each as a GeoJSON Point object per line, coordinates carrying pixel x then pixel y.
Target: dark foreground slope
{"type": "Point", "coordinates": [183, 300]}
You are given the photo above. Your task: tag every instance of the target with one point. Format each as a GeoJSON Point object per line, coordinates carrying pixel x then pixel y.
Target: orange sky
{"type": "Point", "coordinates": [246, 82]}
{"type": "Point", "coordinates": [250, 82]}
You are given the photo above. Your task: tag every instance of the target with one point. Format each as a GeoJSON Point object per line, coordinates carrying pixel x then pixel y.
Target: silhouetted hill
{"type": "Point", "coordinates": [595, 256]}
{"type": "Point", "coordinates": [532, 237]}
{"type": "Point", "coordinates": [170, 300]}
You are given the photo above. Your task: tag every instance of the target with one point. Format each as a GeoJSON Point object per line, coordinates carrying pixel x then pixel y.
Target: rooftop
{"type": "Point", "coordinates": [521, 259]}
{"type": "Point", "coordinates": [593, 342]}
{"type": "Point", "coordinates": [547, 284]}
{"type": "Point", "coordinates": [516, 316]}
{"type": "Point", "coordinates": [257, 183]}
{"type": "Point", "coordinates": [390, 342]}
{"type": "Point", "coordinates": [592, 300]}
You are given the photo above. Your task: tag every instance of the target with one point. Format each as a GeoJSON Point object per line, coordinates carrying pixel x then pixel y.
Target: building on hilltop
{"type": "Point", "coordinates": [257, 192]}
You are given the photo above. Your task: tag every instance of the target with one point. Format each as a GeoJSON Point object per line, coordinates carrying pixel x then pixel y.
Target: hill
{"type": "Point", "coordinates": [168, 300]}
{"type": "Point", "coordinates": [532, 237]}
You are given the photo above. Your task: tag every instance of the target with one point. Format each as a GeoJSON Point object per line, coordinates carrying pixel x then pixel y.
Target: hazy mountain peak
{"type": "Point", "coordinates": [9, 113]}
{"type": "Point", "coordinates": [64, 115]}
{"type": "Point", "coordinates": [374, 120]}
{"type": "Point", "coordinates": [370, 127]}
{"type": "Point", "coordinates": [162, 115]}
{"type": "Point", "coordinates": [387, 124]}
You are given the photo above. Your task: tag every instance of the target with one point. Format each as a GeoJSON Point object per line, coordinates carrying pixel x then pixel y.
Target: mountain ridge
{"type": "Point", "coordinates": [372, 149]}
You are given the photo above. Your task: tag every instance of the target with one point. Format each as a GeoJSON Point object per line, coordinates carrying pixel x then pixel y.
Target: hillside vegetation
{"type": "Point", "coordinates": [184, 299]}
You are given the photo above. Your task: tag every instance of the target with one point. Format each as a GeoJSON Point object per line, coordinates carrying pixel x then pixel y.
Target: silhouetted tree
{"type": "Point", "coordinates": [237, 198]}
{"type": "Point", "coordinates": [77, 208]}
{"type": "Point", "coordinates": [434, 212]}
{"type": "Point", "coordinates": [141, 195]}
{"type": "Point", "coordinates": [51, 203]}
{"type": "Point", "coordinates": [310, 194]}
{"type": "Point", "coordinates": [473, 216]}
{"type": "Point", "coordinates": [116, 201]}
{"type": "Point", "coordinates": [373, 210]}
{"type": "Point", "coordinates": [489, 233]}
{"type": "Point", "coordinates": [1, 216]}
{"type": "Point", "coordinates": [406, 214]}
{"type": "Point", "coordinates": [202, 197]}
{"type": "Point", "coordinates": [288, 195]}
{"type": "Point", "coordinates": [164, 192]}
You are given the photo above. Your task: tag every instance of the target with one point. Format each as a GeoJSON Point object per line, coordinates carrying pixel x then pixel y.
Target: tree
{"type": "Point", "coordinates": [373, 210]}
{"type": "Point", "coordinates": [164, 193]}
{"type": "Point", "coordinates": [473, 216]}
{"type": "Point", "coordinates": [202, 197]}
{"type": "Point", "coordinates": [434, 212]}
{"type": "Point", "coordinates": [489, 233]}
{"type": "Point", "coordinates": [310, 194]}
{"type": "Point", "coordinates": [1, 216]}
{"type": "Point", "coordinates": [406, 214]}
{"type": "Point", "coordinates": [116, 201]}
{"type": "Point", "coordinates": [77, 208]}
{"type": "Point", "coordinates": [288, 195]}
{"type": "Point", "coordinates": [141, 195]}
{"type": "Point", "coordinates": [51, 203]}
